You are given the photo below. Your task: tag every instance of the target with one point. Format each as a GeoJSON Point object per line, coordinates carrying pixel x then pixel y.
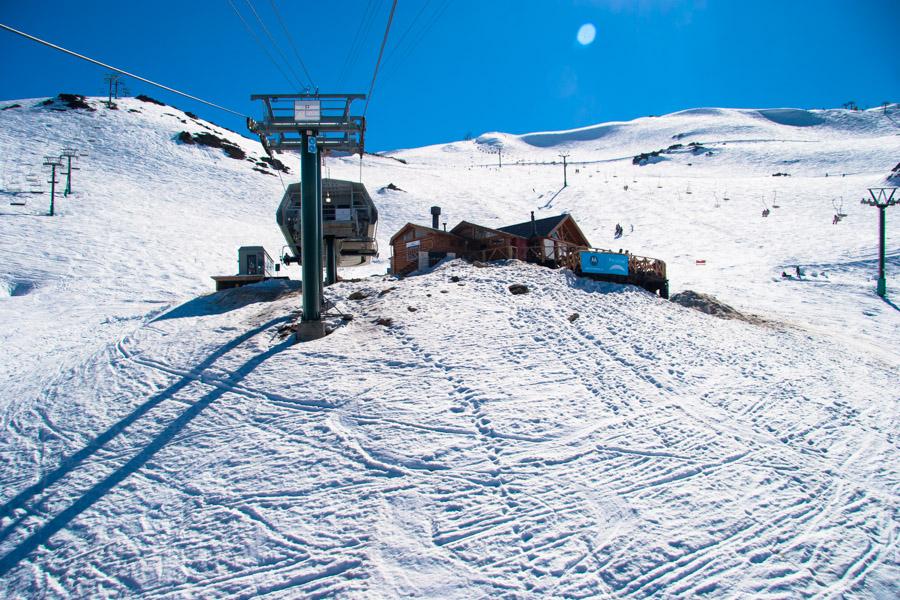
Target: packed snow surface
{"type": "Point", "coordinates": [452, 439]}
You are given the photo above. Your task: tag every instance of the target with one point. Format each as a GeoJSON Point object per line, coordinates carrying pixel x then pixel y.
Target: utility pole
{"type": "Point", "coordinates": [113, 80]}
{"type": "Point", "coordinates": [69, 154]}
{"type": "Point", "coordinates": [53, 162]}
{"type": "Point", "coordinates": [500, 156]}
{"type": "Point", "coordinates": [881, 198]}
{"type": "Point", "coordinates": [565, 178]}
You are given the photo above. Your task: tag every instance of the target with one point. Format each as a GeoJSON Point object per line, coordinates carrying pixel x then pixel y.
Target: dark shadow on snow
{"type": "Point", "coordinates": [58, 522]}
{"type": "Point", "coordinates": [549, 203]}
{"type": "Point", "coordinates": [593, 286]}
{"type": "Point", "coordinates": [228, 300]}
{"type": "Point", "coordinates": [889, 303]}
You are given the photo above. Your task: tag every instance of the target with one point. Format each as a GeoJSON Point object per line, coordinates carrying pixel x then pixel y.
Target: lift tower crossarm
{"type": "Point", "coordinates": [287, 116]}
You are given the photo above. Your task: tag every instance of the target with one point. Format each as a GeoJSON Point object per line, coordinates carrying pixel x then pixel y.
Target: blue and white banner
{"type": "Point", "coordinates": [604, 263]}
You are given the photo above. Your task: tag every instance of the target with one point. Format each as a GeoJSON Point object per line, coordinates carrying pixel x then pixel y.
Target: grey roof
{"type": "Point", "coordinates": [426, 228]}
{"type": "Point", "coordinates": [543, 226]}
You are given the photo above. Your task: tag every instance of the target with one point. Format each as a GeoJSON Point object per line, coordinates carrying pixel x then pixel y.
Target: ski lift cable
{"type": "Point", "coordinates": [366, 35]}
{"type": "Point", "coordinates": [290, 39]}
{"type": "Point", "coordinates": [352, 45]}
{"type": "Point", "coordinates": [436, 16]}
{"type": "Point", "coordinates": [402, 39]}
{"type": "Point", "coordinates": [414, 43]}
{"type": "Point", "coordinates": [275, 44]}
{"type": "Point", "coordinates": [353, 52]}
{"type": "Point", "coordinates": [387, 30]}
{"type": "Point", "coordinates": [118, 70]}
{"type": "Point", "coordinates": [260, 43]}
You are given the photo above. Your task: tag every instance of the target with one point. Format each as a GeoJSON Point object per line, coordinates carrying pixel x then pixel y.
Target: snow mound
{"type": "Point", "coordinates": [701, 112]}
{"type": "Point", "coordinates": [235, 298]}
{"type": "Point", "coordinates": [549, 139]}
{"type": "Point", "coordinates": [793, 117]}
{"type": "Point", "coordinates": [492, 139]}
{"type": "Point", "coordinates": [710, 305]}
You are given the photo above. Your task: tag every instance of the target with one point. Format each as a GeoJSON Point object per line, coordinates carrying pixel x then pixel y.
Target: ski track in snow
{"type": "Point", "coordinates": [482, 445]}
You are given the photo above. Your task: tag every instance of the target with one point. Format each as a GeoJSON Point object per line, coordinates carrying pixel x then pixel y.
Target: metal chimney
{"type": "Point", "coordinates": [533, 226]}
{"type": "Point", "coordinates": [435, 217]}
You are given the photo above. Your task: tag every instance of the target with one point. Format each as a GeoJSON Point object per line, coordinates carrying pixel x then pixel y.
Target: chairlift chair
{"type": "Point", "coordinates": [839, 207]}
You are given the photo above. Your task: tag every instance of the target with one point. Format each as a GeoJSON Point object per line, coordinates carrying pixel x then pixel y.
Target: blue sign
{"type": "Point", "coordinates": [311, 145]}
{"type": "Point", "coordinates": [604, 263]}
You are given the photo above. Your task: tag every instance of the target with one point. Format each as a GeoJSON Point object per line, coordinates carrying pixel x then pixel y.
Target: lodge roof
{"type": "Point", "coordinates": [543, 227]}
{"type": "Point", "coordinates": [463, 224]}
{"type": "Point", "coordinates": [425, 227]}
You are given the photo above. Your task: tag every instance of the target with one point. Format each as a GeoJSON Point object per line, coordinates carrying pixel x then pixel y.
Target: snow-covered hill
{"type": "Point", "coordinates": [475, 443]}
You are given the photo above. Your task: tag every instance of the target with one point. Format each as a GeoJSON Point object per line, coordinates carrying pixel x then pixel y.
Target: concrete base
{"type": "Point", "coordinates": [308, 331]}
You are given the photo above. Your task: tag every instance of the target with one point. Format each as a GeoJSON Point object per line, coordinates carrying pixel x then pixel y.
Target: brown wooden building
{"type": "Point", "coordinates": [417, 247]}
{"type": "Point", "coordinates": [552, 241]}
{"type": "Point", "coordinates": [484, 243]}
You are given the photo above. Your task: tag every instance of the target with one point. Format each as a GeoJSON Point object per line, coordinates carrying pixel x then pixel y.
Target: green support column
{"type": "Point", "coordinates": [311, 230]}
{"type": "Point", "coordinates": [52, 189]}
{"type": "Point", "coordinates": [330, 260]}
{"type": "Point", "coordinates": [882, 284]}
{"type": "Point", "coordinates": [68, 177]}
{"type": "Point", "coordinates": [320, 234]}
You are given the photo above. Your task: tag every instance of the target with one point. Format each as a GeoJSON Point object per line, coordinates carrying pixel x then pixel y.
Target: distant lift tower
{"type": "Point", "coordinates": [54, 162]}
{"type": "Point", "coordinates": [68, 154]}
{"type": "Point", "coordinates": [313, 125]}
{"type": "Point", "coordinates": [881, 198]}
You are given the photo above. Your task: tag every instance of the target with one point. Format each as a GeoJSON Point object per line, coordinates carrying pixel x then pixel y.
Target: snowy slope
{"type": "Point", "coordinates": [149, 221]}
{"type": "Point", "coordinates": [482, 444]}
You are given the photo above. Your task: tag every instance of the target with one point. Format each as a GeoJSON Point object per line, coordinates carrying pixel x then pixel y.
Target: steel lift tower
{"type": "Point", "coordinates": [881, 199]}
{"type": "Point", "coordinates": [313, 125]}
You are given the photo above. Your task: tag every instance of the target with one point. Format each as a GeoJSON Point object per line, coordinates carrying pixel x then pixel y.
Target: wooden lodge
{"type": "Point", "coordinates": [552, 241]}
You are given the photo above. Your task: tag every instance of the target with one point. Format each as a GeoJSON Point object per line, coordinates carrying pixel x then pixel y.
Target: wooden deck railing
{"type": "Point", "coordinates": [565, 254]}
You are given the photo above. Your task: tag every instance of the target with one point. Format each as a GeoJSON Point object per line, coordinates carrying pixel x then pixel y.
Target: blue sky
{"type": "Point", "coordinates": [458, 66]}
